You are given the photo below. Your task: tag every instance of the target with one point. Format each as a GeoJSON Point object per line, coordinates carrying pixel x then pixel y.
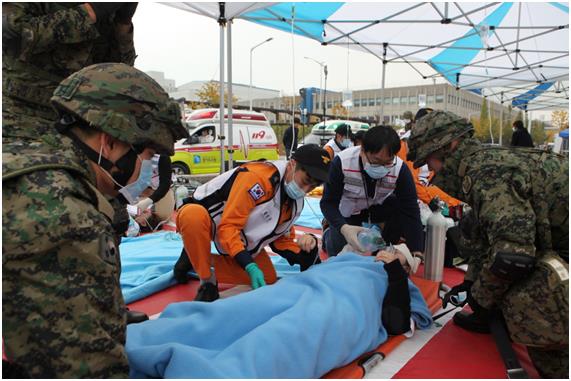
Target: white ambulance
{"type": "Point", "coordinates": [253, 139]}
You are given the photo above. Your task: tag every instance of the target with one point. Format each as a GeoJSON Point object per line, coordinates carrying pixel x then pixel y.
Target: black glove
{"type": "Point", "coordinates": [452, 295]}
{"type": "Point", "coordinates": [125, 13]}
{"type": "Point", "coordinates": [306, 260]}
{"type": "Point", "coordinates": [104, 10]}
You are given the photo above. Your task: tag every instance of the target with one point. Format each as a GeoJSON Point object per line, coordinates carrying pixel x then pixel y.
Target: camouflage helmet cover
{"type": "Point", "coordinates": [123, 102]}
{"type": "Point", "coordinates": [433, 132]}
{"type": "Point", "coordinates": [407, 115]}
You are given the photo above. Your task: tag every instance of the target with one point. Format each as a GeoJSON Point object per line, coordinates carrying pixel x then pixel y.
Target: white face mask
{"type": "Point", "coordinates": [293, 190]}
{"type": "Point", "coordinates": [132, 191]}
{"type": "Point", "coordinates": [376, 171]}
{"type": "Point", "coordinates": [346, 143]}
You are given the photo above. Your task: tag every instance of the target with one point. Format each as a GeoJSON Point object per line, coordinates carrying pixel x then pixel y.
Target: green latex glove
{"type": "Point", "coordinates": [445, 211]}
{"type": "Point", "coordinates": [256, 275]}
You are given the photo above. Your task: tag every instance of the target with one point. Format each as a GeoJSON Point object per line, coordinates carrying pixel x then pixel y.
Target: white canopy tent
{"type": "Point", "coordinates": [509, 51]}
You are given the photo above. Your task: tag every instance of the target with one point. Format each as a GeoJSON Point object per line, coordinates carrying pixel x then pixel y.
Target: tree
{"type": "Point", "coordinates": [560, 119]}
{"type": "Point", "coordinates": [538, 134]}
{"type": "Point", "coordinates": [482, 130]}
{"type": "Point", "coordinates": [340, 110]}
{"type": "Point", "coordinates": [210, 93]}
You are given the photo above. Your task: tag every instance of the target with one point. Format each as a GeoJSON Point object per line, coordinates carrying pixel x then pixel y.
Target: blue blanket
{"type": "Point", "coordinates": [147, 263]}
{"type": "Point", "coordinates": [311, 215]}
{"type": "Point", "coordinates": [301, 327]}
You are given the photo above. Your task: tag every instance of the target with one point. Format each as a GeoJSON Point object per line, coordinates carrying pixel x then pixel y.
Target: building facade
{"type": "Point", "coordinates": [397, 100]}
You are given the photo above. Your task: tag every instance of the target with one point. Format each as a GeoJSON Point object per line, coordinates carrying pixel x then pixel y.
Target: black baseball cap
{"type": "Point", "coordinates": [343, 130]}
{"type": "Point", "coordinates": [314, 160]}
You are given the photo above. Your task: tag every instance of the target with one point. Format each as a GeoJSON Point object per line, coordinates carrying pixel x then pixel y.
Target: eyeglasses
{"type": "Point", "coordinates": [391, 164]}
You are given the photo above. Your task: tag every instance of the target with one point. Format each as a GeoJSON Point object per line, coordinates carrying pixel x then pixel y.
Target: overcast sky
{"type": "Point", "coordinates": [185, 46]}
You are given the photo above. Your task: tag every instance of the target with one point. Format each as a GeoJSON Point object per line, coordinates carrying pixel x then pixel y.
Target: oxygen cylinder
{"type": "Point", "coordinates": [180, 194]}
{"type": "Point", "coordinates": [435, 243]}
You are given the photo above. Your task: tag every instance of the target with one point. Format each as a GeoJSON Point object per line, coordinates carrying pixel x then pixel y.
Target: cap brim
{"type": "Point", "coordinates": [317, 173]}
{"type": "Point", "coordinates": [419, 163]}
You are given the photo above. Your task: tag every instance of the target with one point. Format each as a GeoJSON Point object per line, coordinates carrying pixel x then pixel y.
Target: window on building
{"type": "Point", "coordinates": [412, 100]}
{"type": "Point", "coordinates": [439, 98]}
{"type": "Point", "coordinates": [356, 103]}
{"type": "Point", "coordinates": [396, 100]}
{"type": "Point", "coordinates": [379, 101]}
{"type": "Point", "coordinates": [430, 99]}
{"type": "Point", "coordinates": [403, 100]}
{"type": "Point", "coordinates": [387, 101]}
{"type": "Point", "coordinates": [328, 104]}
{"type": "Point", "coordinates": [371, 101]}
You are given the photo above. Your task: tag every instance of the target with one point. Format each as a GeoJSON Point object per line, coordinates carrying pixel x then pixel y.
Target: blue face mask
{"type": "Point", "coordinates": [376, 172]}
{"type": "Point", "coordinates": [346, 143]}
{"type": "Point", "coordinates": [132, 191]}
{"type": "Point", "coordinates": [293, 190]}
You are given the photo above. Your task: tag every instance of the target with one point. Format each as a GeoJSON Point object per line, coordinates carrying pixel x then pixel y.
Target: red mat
{"type": "Point", "coordinates": [457, 353]}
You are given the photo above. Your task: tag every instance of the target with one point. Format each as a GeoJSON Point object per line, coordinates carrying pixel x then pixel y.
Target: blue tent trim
{"type": "Point", "coordinates": [560, 6]}
{"type": "Point", "coordinates": [564, 134]}
{"type": "Point", "coordinates": [303, 11]}
{"type": "Point", "coordinates": [470, 40]}
{"type": "Point", "coordinates": [522, 100]}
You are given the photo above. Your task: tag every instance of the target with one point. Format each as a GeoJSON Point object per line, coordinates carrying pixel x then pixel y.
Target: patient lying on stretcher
{"type": "Point", "coordinates": [279, 331]}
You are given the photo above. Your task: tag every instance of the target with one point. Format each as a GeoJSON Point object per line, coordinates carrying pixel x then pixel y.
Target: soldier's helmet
{"type": "Point", "coordinates": [123, 102]}
{"type": "Point", "coordinates": [433, 132]}
{"type": "Point", "coordinates": [407, 115]}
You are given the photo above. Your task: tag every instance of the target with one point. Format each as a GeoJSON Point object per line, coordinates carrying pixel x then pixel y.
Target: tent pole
{"type": "Point", "coordinates": [501, 116]}
{"type": "Point", "coordinates": [222, 21]}
{"type": "Point", "coordinates": [490, 119]}
{"type": "Point", "coordinates": [382, 116]}
{"type": "Point", "coordinates": [230, 132]}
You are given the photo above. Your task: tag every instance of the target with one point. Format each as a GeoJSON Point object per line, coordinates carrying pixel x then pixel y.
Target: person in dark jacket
{"type": "Point", "coordinates": [371, 184]}
{"type": "Point", "coordinates": [290, 137]}
{"type": "Point", "coordinates": [520, 136]}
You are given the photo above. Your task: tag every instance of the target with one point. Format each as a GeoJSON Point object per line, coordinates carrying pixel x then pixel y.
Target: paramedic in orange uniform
{"type": "Point", "coordinates": [422, 175]}
{"type": "Point", "coordinates": [244, 210]}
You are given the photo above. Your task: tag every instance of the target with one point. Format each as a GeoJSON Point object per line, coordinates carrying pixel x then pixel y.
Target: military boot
{"type": "Point", "coordinates": [472, 321]}
{"type": "Point", "coordinates": [182, 267]}
{"type": "Point", "coordinates": [136, 317]}
{"type": "Point", "coordinates": [207, 292]}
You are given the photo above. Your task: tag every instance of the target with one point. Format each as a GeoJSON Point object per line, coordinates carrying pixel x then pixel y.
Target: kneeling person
{"type": "Point", "coordinates": [242, 211]}
{"type": "Point", "coordinates": [370, 184]}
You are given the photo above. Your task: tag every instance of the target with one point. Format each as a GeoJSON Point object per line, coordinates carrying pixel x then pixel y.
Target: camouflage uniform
{"type": "Point", "coordinates": [49, 42]}
{"type": "Point", "coordinates": [63, 312]}
{"type": "Point", "coordinates": [520, 201]}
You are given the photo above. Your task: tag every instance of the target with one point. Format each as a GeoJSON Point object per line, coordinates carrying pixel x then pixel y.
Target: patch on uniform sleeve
{"type": "Point", "coordinates": [467, 184]}
{"type": "Point", "coordinates": [108, 250]}
{"type": "Point", "coordinates": [257, 192]}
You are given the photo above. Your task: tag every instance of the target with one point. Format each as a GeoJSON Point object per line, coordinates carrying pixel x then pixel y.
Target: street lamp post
{"type": "Point", "coordinates": [322, 64]}
{"type": "Point", "coordinates": [251, 50]}
{"type": "Point", "coordinates": [324, 94]}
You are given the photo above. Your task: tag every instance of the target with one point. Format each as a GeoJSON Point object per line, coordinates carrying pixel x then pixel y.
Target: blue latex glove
{"type": "Point", "coordinates": [256, 275]}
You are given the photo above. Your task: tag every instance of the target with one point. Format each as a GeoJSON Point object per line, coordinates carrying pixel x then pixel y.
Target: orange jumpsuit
{"type": "Point", "coordinates": [195, 226]}
{"type": "Point", "coordinates": [424, 193]}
